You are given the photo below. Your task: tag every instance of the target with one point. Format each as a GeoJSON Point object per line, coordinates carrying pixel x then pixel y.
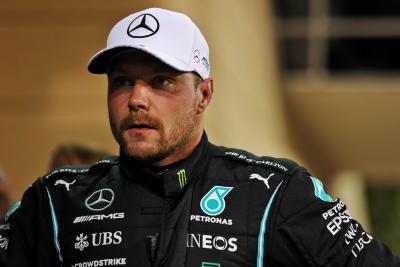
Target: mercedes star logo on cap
{"type": "Point", "coordinates": [143, 26]}
{"type": "Point", "coordinates": [100, 199]}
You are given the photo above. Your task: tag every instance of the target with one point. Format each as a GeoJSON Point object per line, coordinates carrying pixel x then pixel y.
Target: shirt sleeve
{"type": "Point", "coordinates": [312, 229]}
{"type": "Point", "coordinates": [30, 232]}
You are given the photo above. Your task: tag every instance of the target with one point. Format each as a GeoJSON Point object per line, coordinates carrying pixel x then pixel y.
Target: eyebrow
{"type": "Point", "coordinates": [117, 69]}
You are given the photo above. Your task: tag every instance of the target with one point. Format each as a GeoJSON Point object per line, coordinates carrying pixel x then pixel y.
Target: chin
{"type": "Point", "coordinates": [141, 153]}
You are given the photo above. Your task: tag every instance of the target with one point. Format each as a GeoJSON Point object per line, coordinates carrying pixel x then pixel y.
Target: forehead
{"type": "Point", "coordinates": [136, 59]}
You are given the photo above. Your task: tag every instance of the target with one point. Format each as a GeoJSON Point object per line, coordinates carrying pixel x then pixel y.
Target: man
{"type": "Point", "coordinates": [75, 154]}
{"type": "Point", "coordinates": [171, 198]}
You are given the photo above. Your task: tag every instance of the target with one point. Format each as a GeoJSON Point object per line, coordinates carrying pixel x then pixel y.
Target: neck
{"type": "Point", "coordinates": [165, 180]}
{"type": "Point", "coordinates": [182, 153]}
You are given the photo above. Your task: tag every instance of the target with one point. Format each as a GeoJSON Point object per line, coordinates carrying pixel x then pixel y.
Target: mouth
{"type": "Point", "coordinates": [140, 126]}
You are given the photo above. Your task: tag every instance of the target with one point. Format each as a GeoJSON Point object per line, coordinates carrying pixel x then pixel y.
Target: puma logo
{"type": "Point", "coordinates": [62, 182]}
{"type": "Point", "coordinates": [259, 177]}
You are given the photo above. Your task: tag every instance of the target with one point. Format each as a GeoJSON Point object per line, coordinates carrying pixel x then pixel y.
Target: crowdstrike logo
{"type": "Point", "coordinates": [143, 26]}
{"type": "Point", "coordinates": [102, 262]}
{"type": "Point", "coordinates": [100, 200]}
{"type": "Point", "coordinates": [213, 203]}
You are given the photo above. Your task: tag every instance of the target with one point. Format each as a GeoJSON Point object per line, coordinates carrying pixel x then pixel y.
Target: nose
{"type": "Point", "coordinates": [139, 96]}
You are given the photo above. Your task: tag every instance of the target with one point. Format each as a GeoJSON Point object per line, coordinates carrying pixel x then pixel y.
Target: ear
{"type": "Point", "coordinates": [206, 91]}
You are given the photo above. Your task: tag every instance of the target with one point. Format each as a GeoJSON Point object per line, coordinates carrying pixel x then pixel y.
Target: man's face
{"type": "Point", "coordinates": [153, 109]}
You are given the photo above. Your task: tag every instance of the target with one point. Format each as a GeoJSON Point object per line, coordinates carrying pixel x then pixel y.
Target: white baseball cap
{"type": "Point", "coordinates": [169, 36]}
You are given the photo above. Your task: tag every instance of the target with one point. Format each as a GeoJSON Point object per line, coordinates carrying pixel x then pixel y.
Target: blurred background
{"type": "Point", "coordinates": [317, 81]}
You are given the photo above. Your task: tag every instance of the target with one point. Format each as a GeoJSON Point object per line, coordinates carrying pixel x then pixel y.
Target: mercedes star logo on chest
{"type": "Point", "coordinates": [100, 200]}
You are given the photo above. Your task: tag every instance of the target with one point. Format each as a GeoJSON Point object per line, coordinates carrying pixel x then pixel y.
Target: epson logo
{"type": "Point", "coordinates": [99, 217]}
{"type": "Point", "coordinates": [212, 242]}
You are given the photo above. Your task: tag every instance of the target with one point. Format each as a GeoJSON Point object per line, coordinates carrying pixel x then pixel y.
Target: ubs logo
{"type": "Point", "coordinates": [143, 26]}
{"type": "Point", "coordinates": [98, 239]}
{"type": "Point", "coordinates": [100, 200]}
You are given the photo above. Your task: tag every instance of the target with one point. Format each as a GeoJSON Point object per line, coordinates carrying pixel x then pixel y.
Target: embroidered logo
{"type": "Point", "coordinates": [259, 177]}
{"type": "Point", "coordinates": [81, 242]}
{"type": "Point", "coordinates": [182, 178]}
{"type": "Point", "coordinates": [213, 203]}
{"type": "Point", "coordinates": [144, 25]}
{"type": "Point", "coordinates": [3, 242]}
{"type": "Point", "coordinates": [100, 200]}
{"type": "Point", "coordinates": [62, 182]}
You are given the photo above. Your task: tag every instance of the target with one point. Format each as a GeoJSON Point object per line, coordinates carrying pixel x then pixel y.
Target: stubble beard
{"type": "Point", "coordinates": [181, 133]}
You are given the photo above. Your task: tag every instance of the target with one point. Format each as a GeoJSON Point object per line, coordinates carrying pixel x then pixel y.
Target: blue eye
{"type": "Point", "coordinates": [123, 82]}
{"type": "Point", "coordinates": [160, 81]}
{"type": "Point", "coordinates": [119, 82]}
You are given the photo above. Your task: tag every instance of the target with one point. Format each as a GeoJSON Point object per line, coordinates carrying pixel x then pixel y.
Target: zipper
{"type": "Point", "coordinates": [159, 257]}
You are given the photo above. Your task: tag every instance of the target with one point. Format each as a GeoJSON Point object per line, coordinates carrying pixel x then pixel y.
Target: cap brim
{"type": "Point", "coordinates": [99, 63]}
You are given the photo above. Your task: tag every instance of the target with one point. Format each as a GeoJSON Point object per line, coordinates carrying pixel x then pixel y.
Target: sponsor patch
{"type": "Point", "coordinates": [260, 178]}
{"type": "Point", "coordinates": [100, 199]}
{"type": "Point", "coordinates": [81, 242]}
{"type": "Point", "coordinates": [220, 243]}
{"type": "Point", "coordinates": [62, 182]}
{"type": "Point", "coordinates": [213, 203]}
{"type": "Point", "coordinates": [208, 219]}
{"type": "Point", "coordinates": [319, 190]}
{"type": "Point", "coordinates": [99, 217]}
{"type": "Point", "coordinates": [102, 262]}
{"type": "Point", "coordinates": [98, 239]}
{"type": "Point", "coordinates": [3, 242]}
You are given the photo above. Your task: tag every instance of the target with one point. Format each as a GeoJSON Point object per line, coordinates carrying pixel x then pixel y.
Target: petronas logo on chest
{"type": "Point", "coordinates": [213, 203]}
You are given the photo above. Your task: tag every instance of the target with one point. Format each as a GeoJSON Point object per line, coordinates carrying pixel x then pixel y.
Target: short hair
{"type": "Point", "coordinates": [76, 154]}
{"type": "Point", "coordinates": [196, 80]}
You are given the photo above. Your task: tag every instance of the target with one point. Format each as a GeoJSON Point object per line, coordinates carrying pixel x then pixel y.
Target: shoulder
{"type": "Point", "coordinates": [68, 173]}
{"type": "Point", "coordinates": [240, 157]}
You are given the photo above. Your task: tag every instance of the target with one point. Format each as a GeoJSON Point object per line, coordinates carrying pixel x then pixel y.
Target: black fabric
{"type": "Point", "coordinates": [164, 180]}
{"type": "Point", "coordinates": [220, 207]}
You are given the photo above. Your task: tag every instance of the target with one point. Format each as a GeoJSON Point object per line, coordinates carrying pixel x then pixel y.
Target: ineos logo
{"type": "Point", "coordinates": [100, 200]}
{"type": "Point", "coordinates": [212, 242]}
{"type": "Point", "coordinates": [143, 26]}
